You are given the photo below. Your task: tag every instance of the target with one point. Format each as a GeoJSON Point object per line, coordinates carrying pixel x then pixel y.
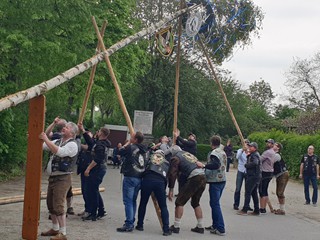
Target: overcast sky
{"type": "Point", "coordinates": [290, 29]}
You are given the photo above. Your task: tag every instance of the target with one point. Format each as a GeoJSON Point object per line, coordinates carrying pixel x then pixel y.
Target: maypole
{"type": "Point", "coordinates": [176, 92]}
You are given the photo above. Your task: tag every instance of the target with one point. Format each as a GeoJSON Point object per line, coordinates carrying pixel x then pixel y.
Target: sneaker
{"type": "Point", "coordinates": [51, 232]}
{"type": "Point", "coordinates": [139, 228]}
{"type": "Point", "coordinates": [125, 228]}
{"type": "Point", "coordinates": [90, 217]}
{"type": "Point", "coordinates": [209, 228]}
{"type": "Point", "coordinates": [263, 211]}
{"type": "Point", "coordinates": [197, 230]}
{"type": "Point", "coordinates": [314, 204]}
{"type": "Point", "coordinates": [60, 236]}
{"type": "Point", "coordinates": [70, 211]}
{"type": "Point", "coordinates": [101, 215]}
{"type": "Point", "coordinates": [217, 232]}
{"type": "Point", "coordinates": [168, 233]}
{"type": "Point", "coordinates": [235, 207]}
{"type": "Point", "coordinates": [242, 213]}
{"type": "Point", "coordinates": [174, 229]}
{"type": "Point", "coordinates": [306, 203]}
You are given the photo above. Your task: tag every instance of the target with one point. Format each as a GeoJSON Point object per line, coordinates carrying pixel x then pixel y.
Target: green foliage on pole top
{"type": "Point", "coordinates": [294, 146]}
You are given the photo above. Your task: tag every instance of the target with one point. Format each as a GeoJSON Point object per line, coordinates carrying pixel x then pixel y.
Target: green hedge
{"type": "Point", "coordinates": [202, 152]}
{"type": "Point", "coordinates": [294, 146]}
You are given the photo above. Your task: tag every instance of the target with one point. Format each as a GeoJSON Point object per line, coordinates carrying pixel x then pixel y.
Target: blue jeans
{"type": "Point", "coordinates": [94, 180]}
{"type": "Point", "coordinates": [84, 190]}
{"type": "Point", "coordinates": [215, 192]}
{"type": "Point", "coordinates": [159, 189]}
{"type": "Point", "coordinates": [130, 190]}
{"type": "Point", "coordinates": [240, 177]}
{"type": "Point", "coordinates": [306, 181]}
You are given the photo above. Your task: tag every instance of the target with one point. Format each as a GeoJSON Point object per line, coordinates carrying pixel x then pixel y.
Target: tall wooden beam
{"type": "Point", "coordinates": [32, 192]}
{"type": "Point", "coordinates": [176, 92]}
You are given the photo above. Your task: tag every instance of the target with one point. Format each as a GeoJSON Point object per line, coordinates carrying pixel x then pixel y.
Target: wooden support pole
{"type": "Point", "coordinates": [176, 92]}
{"type": "Point", "coordinates": [223, 94]}
{"type": "Point", "coordinates": [43, 195]}
{"type": "Point", "coordinates": [31, 207]}
{"type": "Point", "coordinates": [91, 79]}
{"type": "Point", "coordinates": [113, 78]}
{"type": "Point", "coordinates": [122, 104]}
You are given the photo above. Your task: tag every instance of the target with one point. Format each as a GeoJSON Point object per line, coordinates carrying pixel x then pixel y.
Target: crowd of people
{"type": "Point", "coordinates": [150, 170]}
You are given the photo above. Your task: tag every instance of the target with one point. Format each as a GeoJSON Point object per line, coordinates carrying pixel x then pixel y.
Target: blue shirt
{"type": "Point", "coordinates": [242, 160]}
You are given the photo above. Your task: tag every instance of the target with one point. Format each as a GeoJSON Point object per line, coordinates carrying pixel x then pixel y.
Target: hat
{"type": "Point", "coordinates": [246, 141]}
{"type": "Point", "coordinates": [175, 149]}
{"type": "Point", "coordinates": [192, 134]}
{"type": "Point", "coordinates": [253, 144]}
{"type": "Point", "coordinates": [270, 141]}
{"type": "Point", "coordinates": [160, 152]}
{"type": "Point", "coordinates": [279, 145]}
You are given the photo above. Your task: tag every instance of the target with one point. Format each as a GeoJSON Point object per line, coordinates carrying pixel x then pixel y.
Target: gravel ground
{"type": "Point", "coordinates": [300, 221]}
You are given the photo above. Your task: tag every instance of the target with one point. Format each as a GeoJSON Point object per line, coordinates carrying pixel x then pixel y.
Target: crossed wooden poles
{"type": "Point", "coordinates": [36, 125]}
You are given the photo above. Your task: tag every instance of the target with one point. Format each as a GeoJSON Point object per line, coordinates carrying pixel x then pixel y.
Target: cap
{"type": "Point", "coordinates": [246, 141]}
{"type": "Point", "coordinates": [270, 141]}
{"type": "Point", "coordinates": [192, 134]}
{"type": "Point", "coordinates": [175, 149]}
{"type": "Point", "coordinates": [279, 145]}
{"type": "Point", "coordinates": [253, 144]}
{"type": "Point", "coordinates": [160, 152]}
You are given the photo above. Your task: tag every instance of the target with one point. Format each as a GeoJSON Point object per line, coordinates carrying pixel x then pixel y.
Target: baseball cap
{"type": "Point", "coordinates": [192, 134]}
{"type": "Point", "coordinates": [270, 141]}
{"type": "Point", "coordinates": [253, 144]}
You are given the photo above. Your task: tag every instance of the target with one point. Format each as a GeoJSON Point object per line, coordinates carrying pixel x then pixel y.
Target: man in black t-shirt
{"type": "Point", "coordinates": [309, 171]}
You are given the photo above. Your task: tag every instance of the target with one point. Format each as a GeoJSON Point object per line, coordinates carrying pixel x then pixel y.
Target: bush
{"type": "Point", "coordinates": [294, 146]}
{"type": "Point", "coordinates": [202, 152]}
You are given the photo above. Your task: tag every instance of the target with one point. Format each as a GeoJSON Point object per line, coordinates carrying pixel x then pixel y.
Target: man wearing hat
{"type": "Point", "coordinates": [252, 180]}
{"type": "Point", "coordinates": [267, 160]}
{"type": "Point", "coordinates": [188, 145]}
{"type": "Point", "coordinates": [282, 177]}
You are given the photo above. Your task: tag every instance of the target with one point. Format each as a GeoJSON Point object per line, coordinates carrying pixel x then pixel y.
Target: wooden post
{"type": "Point", "coordinates": [122, 104]}
{"type": "Point", "coordinates": [176, 92]}
{"type": "Point", "coordinates": [114, 79]}
{"type": "Point", "coordinates": [223, 94]}
{"type": "Point", "coordinates": [91, 79]}
{"type": "Point", "coordinates": [31, 207]}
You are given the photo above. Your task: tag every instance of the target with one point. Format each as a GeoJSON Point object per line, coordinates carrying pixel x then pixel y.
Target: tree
{"type": "Point", "coordinates": [261, 93]}
{"type": "Point", "coordinates": [303, 81]}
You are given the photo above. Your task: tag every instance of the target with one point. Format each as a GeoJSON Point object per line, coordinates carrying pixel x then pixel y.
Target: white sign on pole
{"type": "Point", "coordinates": [143, 121]}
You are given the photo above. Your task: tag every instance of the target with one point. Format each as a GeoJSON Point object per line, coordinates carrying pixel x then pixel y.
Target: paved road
{"type": "Point", "coordinates": [301, 222]}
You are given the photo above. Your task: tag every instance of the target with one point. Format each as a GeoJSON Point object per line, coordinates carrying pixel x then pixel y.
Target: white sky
{"type": "Point", "coordinates": [290, 29]}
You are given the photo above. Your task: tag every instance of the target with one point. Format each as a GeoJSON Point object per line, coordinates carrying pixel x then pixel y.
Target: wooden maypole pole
{"type": "Point", "coordinates": [222, 92]}
{"type": "Point", "coordinates": [176, 92]}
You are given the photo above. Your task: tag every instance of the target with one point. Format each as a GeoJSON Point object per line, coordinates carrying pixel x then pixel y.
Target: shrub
{"type": "Point", "coordinates": [202, 152]}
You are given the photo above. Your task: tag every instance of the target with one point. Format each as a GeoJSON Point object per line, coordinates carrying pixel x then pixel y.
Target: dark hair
{"type": "Point", "coordinates": [215, 140]}
{"type": "Point", "coordinates": [139, 136]}
{"type": "Point", "coordinates": [105, 131]}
